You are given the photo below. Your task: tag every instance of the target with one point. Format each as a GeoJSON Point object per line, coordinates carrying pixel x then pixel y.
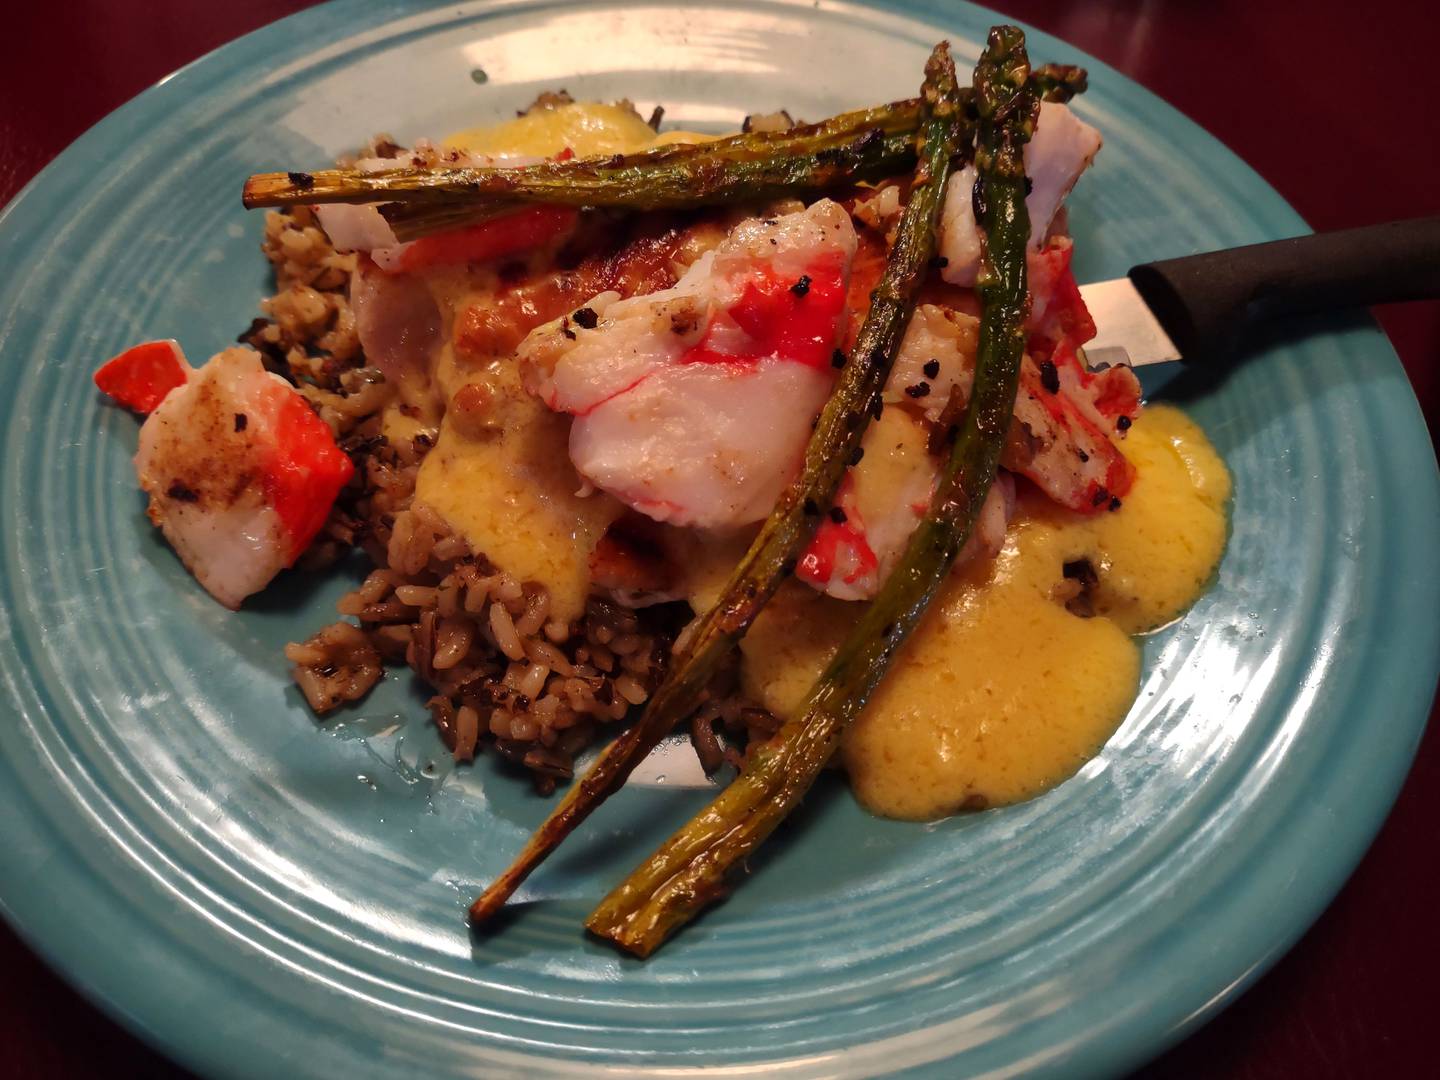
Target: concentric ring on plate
{"type": "Point", "coordinates": [211, 850]}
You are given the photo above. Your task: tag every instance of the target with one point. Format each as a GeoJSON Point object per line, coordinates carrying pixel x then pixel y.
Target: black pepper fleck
{"type": "Point", "coordinates": [931, 368]}
{"type": "Point", "coordinates": [1114, 503]}
{"type": "Point", "coordinates": [919, 390]}
{"type": "Point", "coordinates": [837, 515]}
{"type": "Point", "coordinates": [837, 359]}
{"type": "Point", "coordinates": [1100, 497]}
{"type": "Point", "coordinates": [1049, 377]}
{"type": "Point", "coordinates": [1123, 423]}
{"type": "Point", "coordinates": [801, 286]}
{"type": "Point", "coordinates": [1084, 457]}
{"type": "Point", "coordinates": [585, 318]}
{"type": "Point", "coordinates": [810, 507]}
{"type": "Point", "coordinates": [939, 262]}
{"type": "Point", "coordinates": [241, 420]}
{"type": "Point", "coordinates": [180, 493]}
{"type": "Point", "coordinates": [303, 180]}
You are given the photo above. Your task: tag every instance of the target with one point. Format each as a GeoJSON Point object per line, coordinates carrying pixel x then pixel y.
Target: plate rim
{"type": "Point", "coordinates": [377, 13]}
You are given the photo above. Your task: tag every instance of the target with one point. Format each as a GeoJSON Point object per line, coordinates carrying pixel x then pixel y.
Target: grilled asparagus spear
{"type": "Point", "coordinates": [688, 872]}
{"type": "Point", "coordinates": [699, 180]}
{"type": "Point", "coordinates": [865, 144]}
{"type": "Point", "coordinates": [648, 178]}
{"type": "Point", "coordinates": [793, 522]}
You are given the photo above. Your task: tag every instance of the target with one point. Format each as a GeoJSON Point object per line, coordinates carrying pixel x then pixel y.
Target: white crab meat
{"type": "Point", "coordinates": [878, 505]}
{"type": "Point", "coordinates": [396, 318]}
{"type": "Point", "coordinates": [241, 473]}
{"type": "Point", "coordinates": [693, 405]}
{"type": "Point", "coordinates": [1063, 438]}
{"type": "Point", "coordinates": [1067, 419]}
{"type": "Point", "coordinates": [1062, 148]}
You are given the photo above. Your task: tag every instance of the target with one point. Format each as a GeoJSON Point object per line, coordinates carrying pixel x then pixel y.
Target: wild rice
{"type": "Point", "coordinates": [506, 674]}
{"type": "Point", "coordinates": [537, 690]}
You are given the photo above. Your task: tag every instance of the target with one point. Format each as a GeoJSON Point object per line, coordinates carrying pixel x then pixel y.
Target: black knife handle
{"type": "Point", "coordinates": [1205, 302]}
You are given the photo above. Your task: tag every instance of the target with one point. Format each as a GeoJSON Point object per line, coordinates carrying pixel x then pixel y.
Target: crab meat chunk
{"type": "Point", "coordinates": [693, 405]}
{"type": "Point", "coordinates": [1062, 438]}
{"type": "Point", "coordinates": [1067, 418]}
{"type": "Point", "coordinates": [879, 503]}
{"type": "Point", "coordinates": [241, 474]}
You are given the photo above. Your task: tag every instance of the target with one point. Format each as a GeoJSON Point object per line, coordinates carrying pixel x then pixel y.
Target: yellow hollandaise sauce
{"type": "Point", "coordinates": [505, 482]}
{"type": "Point", "coordinates": [585, 128]}
{"type": "Point", "coordinates": [1003, 692]}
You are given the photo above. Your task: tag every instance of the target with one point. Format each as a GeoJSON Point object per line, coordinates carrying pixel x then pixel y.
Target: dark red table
{"type": "Point", "coordinates": [1332, 103]}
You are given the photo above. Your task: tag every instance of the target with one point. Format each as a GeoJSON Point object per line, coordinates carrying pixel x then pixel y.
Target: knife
{"type": "Point", "coordinates": [1198, 308]}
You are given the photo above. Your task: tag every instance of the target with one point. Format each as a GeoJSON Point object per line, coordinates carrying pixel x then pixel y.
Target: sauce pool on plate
{"type": "Point", "coordinates": [1003, 692]}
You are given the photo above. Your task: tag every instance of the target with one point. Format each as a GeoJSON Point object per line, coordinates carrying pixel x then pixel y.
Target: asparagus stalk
{"type": "Point", "coordinates": [701, 180]}
{"type": "Point", "coordinates": [689, 871]}
{"type": "Point", "coordinates": [866, 144]}
{"type": "Point", "coordinates": [793, 522]}
{"type": "Point", "coordinates": [612, 176]}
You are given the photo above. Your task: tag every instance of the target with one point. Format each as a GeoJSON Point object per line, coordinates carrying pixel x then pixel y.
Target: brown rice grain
{"type": "Point", "coordinates": [625, 644]}
{"type": "Point", "coordinates": [419, 596]}
{"type": "Point", "coordinates": [503, 627]}
{"type": "Point", "coordinates": [537, 607]}
{"type": "Point", "coordinates": [534, 681]}
{"type": "Point", "coordinates": [542, 652]}
{"type": "Point", "coordinates": [467, 733]}
{"type": "Point", "coordinates": [630, 690]}
{"type": "Point", "coordinates": [452, 642]}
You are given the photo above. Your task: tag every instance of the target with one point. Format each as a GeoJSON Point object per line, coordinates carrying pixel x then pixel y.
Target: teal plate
{"type": "Point", "coordinates": [258, 894]}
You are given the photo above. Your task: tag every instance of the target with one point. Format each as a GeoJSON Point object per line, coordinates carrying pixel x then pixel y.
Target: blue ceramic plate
{"type": "Point", "coordinates": [259, 894]}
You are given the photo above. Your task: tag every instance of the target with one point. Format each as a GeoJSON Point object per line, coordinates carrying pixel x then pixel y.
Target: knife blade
{"type": "Point", "coordinates": [1198, 307]}
{"type": "Point", "coordinates": [1126, 330]}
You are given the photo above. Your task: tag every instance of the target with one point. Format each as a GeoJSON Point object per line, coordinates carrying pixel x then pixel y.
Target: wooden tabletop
{"type": "Point", "coordinates": [1331, 102]}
